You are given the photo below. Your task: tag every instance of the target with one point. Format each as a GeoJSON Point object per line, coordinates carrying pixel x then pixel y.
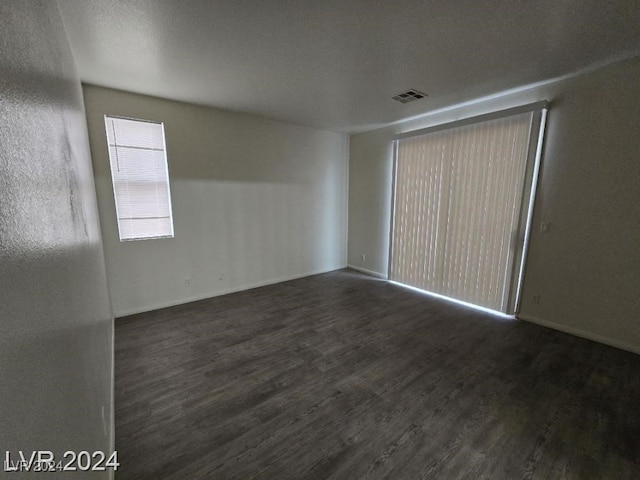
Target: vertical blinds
{"type": "Point", "coordinates": [140, 178]}
{"type": "Point", "coordinates": [458, 210]}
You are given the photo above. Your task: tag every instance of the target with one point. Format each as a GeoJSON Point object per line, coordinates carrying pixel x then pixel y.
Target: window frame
{"type": "Point", "coordinates": [166, 178]}
{"type": "Point", "coordinates": [525, 218]}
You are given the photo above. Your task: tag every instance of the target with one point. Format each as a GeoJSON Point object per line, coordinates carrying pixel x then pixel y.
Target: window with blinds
{"type": "Point", "coordinates": [462, 207]}
{"type": "Point", "coordinates": [140, 178]}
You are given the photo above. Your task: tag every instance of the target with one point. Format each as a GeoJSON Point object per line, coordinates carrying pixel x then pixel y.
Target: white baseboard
{"type": "Point", "coordinates": [582, 333]}
{"type": "Point", "coordinates": [528, 318]}
{"type": "Point", "coordinates": [217, 293]}
{"type": "Point", "coordinates": [368, 272]}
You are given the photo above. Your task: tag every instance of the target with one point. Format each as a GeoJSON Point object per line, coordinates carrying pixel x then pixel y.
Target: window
{"type": "Point", "coordinates": [463, 197]}
{"type": "Point", "coordinates": [140, 178]}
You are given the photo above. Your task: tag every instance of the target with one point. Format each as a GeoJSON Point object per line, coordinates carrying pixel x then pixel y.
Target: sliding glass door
{"type": "Point", "coordinates": [462, 205]}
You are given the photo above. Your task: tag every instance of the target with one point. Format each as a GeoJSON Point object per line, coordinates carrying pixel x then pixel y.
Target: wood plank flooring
{"type": "Point", "coordinates": [342, 376]}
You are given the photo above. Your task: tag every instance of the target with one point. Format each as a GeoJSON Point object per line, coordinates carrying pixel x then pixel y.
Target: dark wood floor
{"type": "Point", "coordinates": [342, 376]}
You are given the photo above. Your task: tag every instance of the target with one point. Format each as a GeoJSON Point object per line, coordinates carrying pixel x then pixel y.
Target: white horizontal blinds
{"type": "Point", "coordinates": [140, 178]}
{"type": "Point", "coordinates": [458, 198]}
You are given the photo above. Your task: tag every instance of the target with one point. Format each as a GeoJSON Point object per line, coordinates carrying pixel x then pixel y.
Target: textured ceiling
{"type": "Point", "coordinates": [335, 64]}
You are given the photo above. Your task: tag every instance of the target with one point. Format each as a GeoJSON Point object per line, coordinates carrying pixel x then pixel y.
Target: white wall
{"type": "Point", "coordinates": [56, 349]}
{"type": "Point", "coordinates": [255, 201]}
{"type": "Point", "coordinates": [587, 268]}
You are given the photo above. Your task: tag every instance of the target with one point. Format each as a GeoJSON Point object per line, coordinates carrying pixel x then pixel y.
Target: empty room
{"type": "Point", "coordinates": [320, 240]}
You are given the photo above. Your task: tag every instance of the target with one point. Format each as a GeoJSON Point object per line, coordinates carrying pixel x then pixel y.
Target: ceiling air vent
{"type": "Point", "coordinates": [409, 96]}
